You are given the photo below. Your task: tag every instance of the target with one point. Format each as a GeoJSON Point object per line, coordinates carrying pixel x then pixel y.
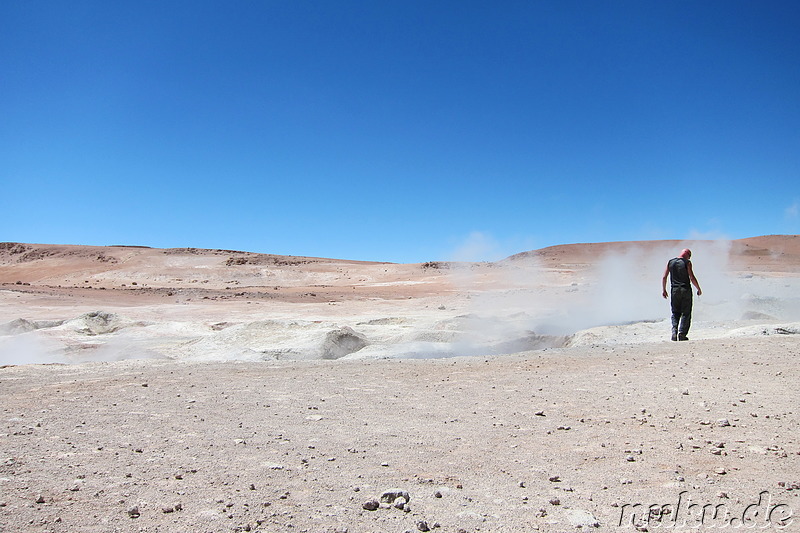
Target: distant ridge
{"type": "Point", "coordinates": [788, 245]}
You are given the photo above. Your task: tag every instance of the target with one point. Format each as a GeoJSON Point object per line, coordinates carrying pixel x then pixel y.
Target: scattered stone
{"type": "Point", "coordinates": [581, 519]}
{"type": "Point", "coordinates": [723, 422]}
{"type": "Point", "coordinates": [555, 501]}
{"type": "Point", "coordinates": [422, 525]}
{"type": "Point", "coordinates": [389, 496]}
{"type": "Point", "coordinates": [721, 471]}
{"type": "Point", "coordinates": [554, 479]}
{"type": "Point", "coordinates": [40, 498]}
{"type": "Point", "coordinates": [437, 494]}
{"type": "Point", "coordinates": [370, 505]}
{"type": "Point", "coordinates": [133, 512]}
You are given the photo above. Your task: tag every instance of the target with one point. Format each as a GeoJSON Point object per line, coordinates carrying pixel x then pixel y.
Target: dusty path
{"type": "Point", "coordinates": [542, 441]}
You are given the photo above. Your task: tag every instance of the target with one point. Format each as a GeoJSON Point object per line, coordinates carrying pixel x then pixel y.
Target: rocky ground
{"type": "Point", "coordinates": [555, 440]}
{"type": "Point", "coordinates": [182, 418]}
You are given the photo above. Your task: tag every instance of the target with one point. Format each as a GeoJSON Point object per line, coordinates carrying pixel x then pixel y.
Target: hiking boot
{"type": "Point", "coordinates": [674, 335]}
{"type": "Point", "coordinates": [683, 338]}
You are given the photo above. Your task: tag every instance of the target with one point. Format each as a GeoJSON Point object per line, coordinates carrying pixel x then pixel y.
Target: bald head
{"type": "Point", "coordinates": [686, 253]}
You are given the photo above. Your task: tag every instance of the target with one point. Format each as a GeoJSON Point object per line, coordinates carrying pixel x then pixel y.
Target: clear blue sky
{"type": "Point", "coordinates": [397, 130]}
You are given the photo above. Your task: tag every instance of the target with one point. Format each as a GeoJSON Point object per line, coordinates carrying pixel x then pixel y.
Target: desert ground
{"type": "Point", "coordinates": [214, 390]}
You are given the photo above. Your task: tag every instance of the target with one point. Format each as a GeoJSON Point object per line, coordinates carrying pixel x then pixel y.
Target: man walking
{"type": "Point", "coordinates": [681, 278]}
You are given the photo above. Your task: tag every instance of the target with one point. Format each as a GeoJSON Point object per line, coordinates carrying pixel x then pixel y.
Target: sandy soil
{"type": "Point", "coordinates": [226, 391]}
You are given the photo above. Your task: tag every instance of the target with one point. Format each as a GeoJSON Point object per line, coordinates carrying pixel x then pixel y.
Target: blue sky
{"type": "Point", "coordinates": [399, 131]}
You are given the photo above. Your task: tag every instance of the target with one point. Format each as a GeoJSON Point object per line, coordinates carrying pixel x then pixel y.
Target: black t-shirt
{"type": "Point", "coordinates": [679, 273]}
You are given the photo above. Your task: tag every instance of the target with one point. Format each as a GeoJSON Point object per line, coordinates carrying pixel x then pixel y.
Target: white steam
{"type": "Point", "coordinates": [527, 300]}
{"type": "Point", "coordinates": [28, 348]}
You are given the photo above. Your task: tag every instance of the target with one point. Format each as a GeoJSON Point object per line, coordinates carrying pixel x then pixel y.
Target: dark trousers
{"type": "Point", "coordinates": [681, 310]}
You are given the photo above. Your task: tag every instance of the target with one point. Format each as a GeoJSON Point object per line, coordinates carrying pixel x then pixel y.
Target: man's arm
{"type": "Point", "coordinates": [693, 279]}
{"type": "Point", "coordinates": [664, 282]}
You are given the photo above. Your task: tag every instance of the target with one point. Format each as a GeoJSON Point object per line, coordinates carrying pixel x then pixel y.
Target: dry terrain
{"type": "Point", "coordinates": [210, 390]}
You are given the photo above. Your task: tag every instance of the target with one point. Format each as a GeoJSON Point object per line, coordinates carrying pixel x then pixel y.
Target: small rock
{"type": "Point", "coordinates": [437, 494]}
{"type": "Point", "coordinates": [721, 471]}
{"type": "Point", "coordinates": [555, 501]}
{"type": "Point", "coordinates": [133, 512]}
{"type": "Point", "coordinates": [422, 525]}
{"type": "Point", "coordinates": [370, 505]}
{"type": "Point", "coordinates": [389, 496]}
{"type": "Point", "coordinates": [582, 519]}
{"type": "Point", "coordinates": [723, 422]}
{"type": "Point", "coordinates": [40, 498]}
{"type": "Point", "coordinates": [554, 479]}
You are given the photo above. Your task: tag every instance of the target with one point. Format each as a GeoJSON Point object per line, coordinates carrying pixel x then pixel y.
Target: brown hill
{"type": "Point", "coordinates": [108, 273]}
{"type": "Point", "coordinates": [775, 253]}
